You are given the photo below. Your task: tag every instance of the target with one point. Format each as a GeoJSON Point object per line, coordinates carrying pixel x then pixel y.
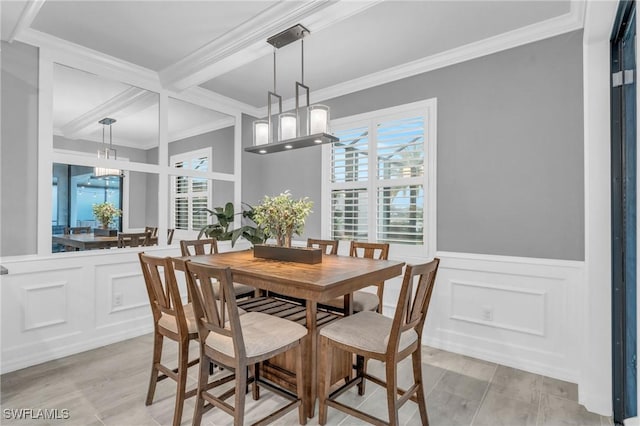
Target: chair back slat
{"type": "Point", "coordinates": [199, 247]}
{"type": "Point", "coordinates": [211, 307]}
{"type": "Point", "coordinates": [153, 230]}
{"type": "Point", "coordinates": [134, 239]}
{"type": "Point", "coordinates": [162, 289]}
{"type": "Point", "coordinates": [412, 307]}
{"type": "Point", "coordinates": [327, 246]}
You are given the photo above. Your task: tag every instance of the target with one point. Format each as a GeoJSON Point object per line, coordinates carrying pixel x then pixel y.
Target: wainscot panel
{"type": "Point", "coordinates": [66, 303]}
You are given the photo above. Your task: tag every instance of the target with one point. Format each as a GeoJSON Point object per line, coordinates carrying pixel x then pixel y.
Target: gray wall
{"type": "Point", "coordinates": [510, 151]}
{"type": "Point", "coordinates": [19, 149]}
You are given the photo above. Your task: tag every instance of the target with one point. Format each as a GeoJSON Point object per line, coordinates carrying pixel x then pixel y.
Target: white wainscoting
{"type": "Point", "coordinates": [67, 303]}
{"type": "Point", "coordinates": [520, 312]}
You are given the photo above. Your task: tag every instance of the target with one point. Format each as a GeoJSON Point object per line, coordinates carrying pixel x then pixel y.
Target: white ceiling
{"type": "Point", "coordinates": [221, 46]}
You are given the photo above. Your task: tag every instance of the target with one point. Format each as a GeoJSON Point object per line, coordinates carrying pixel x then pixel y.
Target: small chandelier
{"type": "Point", "coordinates": [291, 133]}
{"type": "Point", "coordinates": [107, 152]}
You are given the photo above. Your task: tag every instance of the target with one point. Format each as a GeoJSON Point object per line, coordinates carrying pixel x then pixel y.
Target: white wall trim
{"type": "Point", "coordinates": [29, 13]}
{"type": "Point", "coordinates": [534, 303]}
{"type": "Point", "coordinates": [594, 382]}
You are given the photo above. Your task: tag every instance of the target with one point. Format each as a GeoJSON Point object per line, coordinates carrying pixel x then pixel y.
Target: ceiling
{"type": "Point", "coordinates": [221, 46]}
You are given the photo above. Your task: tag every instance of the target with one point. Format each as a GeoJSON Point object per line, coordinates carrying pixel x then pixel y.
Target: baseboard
{"type": "Point", "coordinates": [33, 354]}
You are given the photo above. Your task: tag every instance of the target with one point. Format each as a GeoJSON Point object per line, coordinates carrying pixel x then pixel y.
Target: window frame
{"type": "Point", "coordinates": [188, 157]}
{"type": "Point", "coordinates": [428, 110]}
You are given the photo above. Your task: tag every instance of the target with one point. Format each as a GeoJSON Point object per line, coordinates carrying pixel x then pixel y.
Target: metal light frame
{"type": "Point", "coordinates": [297, 32]}
{"type": "Point", "coordinates": [105, 152]}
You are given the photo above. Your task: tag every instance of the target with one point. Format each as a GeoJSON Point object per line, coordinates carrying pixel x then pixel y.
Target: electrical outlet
{"type": "Point", "coordinates": [117, 299]}
{"type": "Point", "coordinates": [487, 313]}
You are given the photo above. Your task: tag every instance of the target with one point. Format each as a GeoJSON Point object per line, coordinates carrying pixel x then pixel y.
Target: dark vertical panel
{"type": "Point", "coordinates": [623, 209]}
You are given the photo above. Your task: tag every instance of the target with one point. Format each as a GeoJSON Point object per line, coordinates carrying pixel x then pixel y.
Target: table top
{"type": "Point", "coordinates": [333, 277]}
{"type": "Point", "coordinates": [85, 237]}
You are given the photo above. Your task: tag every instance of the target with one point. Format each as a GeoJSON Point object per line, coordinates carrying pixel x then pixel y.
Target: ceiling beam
{"type": "Point", "coordinates": [247, 42]}
{"type": "Point", "coordinates": [27, 16]}
{"type": "Point", "coordinates": [126, 103]}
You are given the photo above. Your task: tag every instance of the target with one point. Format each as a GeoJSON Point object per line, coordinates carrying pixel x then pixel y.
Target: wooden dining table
{"type": "Point", "coordinates": [89, 241]}
{"type": "Point", "coordinates": [316, 283]}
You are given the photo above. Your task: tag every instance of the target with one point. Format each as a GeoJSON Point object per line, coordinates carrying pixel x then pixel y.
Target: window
{"type": "Point", "coordinates": [190, 195]}
{"type": "Point", "coordinates": [379, 182]}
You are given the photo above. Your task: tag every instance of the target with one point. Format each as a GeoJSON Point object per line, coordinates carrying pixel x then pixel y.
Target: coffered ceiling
{"type": "Point", "coordinates": [221, 46]}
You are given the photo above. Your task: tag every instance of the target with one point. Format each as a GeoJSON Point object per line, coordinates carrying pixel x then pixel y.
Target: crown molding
{"type": "Point", "coordinates": [246, 42]}
{"type": "Point", "coordinates": [80, 57]}
{"type": "Point", "coordinates": [127, 102]}
{"type": "Point", "coordinates": [215, 101]}
{"type": "Point", "coordinates": [571, 21]}
{"type": "Point", "coordinates": [204, 128]}
{"type": "Point", "coordinates": [27, 16]}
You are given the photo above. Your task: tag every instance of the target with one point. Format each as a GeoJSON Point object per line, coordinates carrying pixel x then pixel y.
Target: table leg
{"type": "Point", "coordinates": [348, 304]}
{"type": "Point", "coordinates": [311, 381]}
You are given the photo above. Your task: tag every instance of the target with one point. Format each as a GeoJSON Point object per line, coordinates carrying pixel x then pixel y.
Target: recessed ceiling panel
{"type": "Point", "coordinates": [385, 35]}
{"type": "Point", "coordinates": [153, 34]}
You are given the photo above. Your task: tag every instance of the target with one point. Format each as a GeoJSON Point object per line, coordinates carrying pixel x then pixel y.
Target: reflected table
{"type": "Point", "coordinates": [89, 241]}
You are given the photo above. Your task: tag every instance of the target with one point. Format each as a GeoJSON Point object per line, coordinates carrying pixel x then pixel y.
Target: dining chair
{"type": "Point", "coordinates": [152, 229]}
{"type": "Point", "coordinates": [238, 342]}
{"type": "Point", "coordinates": [327, 246]}
{"type": "Point", "coordinates": [363, 300]}
{"type": "Point", "coordinates": [210, 246]}
{"type": "Point", "coordinates": [371, 335]}
{"type": "Point", "coordinates": [173, 320]}
{"type": "Point", "coordinates": [134, 239]}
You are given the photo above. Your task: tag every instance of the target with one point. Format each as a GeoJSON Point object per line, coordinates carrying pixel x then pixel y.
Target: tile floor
{"type": "Point", "coordinates": [107, 386]}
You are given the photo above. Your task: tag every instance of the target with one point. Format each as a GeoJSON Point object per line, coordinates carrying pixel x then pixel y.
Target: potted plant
{"type": "Point", "coordinates": [105, 213]}
{"type": "Point", "coordinates": [282, 216]}
{"type": "Point", "coordinates": [225, 217]}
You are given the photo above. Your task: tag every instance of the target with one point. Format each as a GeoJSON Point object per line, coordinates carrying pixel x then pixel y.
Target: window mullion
{"type": "Point", "coordinates": [372, 187]}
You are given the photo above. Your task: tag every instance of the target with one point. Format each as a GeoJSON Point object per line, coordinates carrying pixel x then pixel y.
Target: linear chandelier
{"type": "Point", "coordinates": [291, 133]}
{"type": "Point", "coordinates": [107, 152]}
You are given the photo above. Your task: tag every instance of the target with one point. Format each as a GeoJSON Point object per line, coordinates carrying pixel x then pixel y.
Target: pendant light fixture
{"type": "Point", "coordinates": [291, 132]}
{"type": "Point", "coordinates": [107, 152]}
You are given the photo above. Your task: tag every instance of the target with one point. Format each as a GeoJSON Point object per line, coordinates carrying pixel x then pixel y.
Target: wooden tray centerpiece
{"type": "Point", "coordinates": [101, 232]}
{"type": "Point", "coordinates": [289, 254]}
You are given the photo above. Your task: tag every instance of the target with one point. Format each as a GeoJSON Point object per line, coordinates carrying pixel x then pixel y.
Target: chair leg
{"type": "Point", "coordinates": [157, 355]}
{"type": "Point", "coordinates": [392, 392]}
{"type": "Point", "coordinates": [183, 360]}
{"type": "Point", "coordinates": [300, 391]}
{"type": "Point", "coordinates": [324, 378]}
{"type": "Point", "coordinates": [361, 370]}
{"type": "Point", "coordinates": [241, 388]}
{"type": "Point", "coordinates": [416, 358]}
{"type": "Point", "coordinates": [203, 381]}
{"type": "Point", "coordinates": [256, 376]}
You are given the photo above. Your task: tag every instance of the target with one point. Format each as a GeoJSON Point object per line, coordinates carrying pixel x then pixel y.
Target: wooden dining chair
{"type": "Point", "coordinates": [238, 342]}
{"type": "Point", "coordinates": [327, 246]}
{"type": "Point", "coordinates": [370, 335]}
{"type": "Point", "coordinates": [363, 300]}
{"type": "Point", "coordinates": [173, 320]}
{"type": "Point", "coordinates": [210, 246]}
{"type": "Point", "coordinates": [134, 239]}
{"type": "Point", "coordinates": [152, 229]}
{"type": "Point", "coordinates": [199, 247]}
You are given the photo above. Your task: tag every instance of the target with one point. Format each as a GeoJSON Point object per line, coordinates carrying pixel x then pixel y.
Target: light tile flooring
{"type": "Point", "coordinates": [107, 386]}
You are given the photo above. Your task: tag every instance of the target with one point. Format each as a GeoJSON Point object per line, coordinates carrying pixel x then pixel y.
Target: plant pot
{"type": "Point", "coordinates": [101, 232]}
{"type": "Point", "coordinates": [288, 254]}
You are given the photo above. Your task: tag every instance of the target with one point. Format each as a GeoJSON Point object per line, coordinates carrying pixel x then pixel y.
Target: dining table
{"type": "Point", "coordinates": [313, 284]}
{"type": "Point", "coordinates": [89, 241]}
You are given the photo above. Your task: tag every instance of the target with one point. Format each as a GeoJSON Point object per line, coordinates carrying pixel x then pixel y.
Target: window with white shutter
{"type": "Point", "coordinates": [190, 195]}
{"type": "Point", "coordinates": [379, 181]}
